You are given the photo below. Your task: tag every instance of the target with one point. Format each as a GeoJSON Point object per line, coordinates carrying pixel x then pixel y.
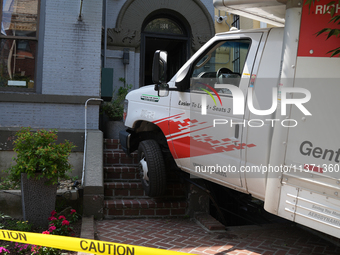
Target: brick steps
{"type": "Point", "coordinates": [113, 158]}
{"type": "Point", "coordinates": [130, 189]}
{"type": "Point", "coordinates": [112, 144]}
{"type": "Point", "coordinates": [135, 190]}
{"type": "Point", "coordinates": [121, 173]}
{"type": "Point", "coordinates": [128, 172]}
{"type": "Point", "coordinates": [124, 196]}
{"type": "Point", "coordinates": [143, 207]}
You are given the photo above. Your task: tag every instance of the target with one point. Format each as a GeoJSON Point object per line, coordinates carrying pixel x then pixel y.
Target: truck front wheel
{"type": "Point", "coordinates": [151, 168]}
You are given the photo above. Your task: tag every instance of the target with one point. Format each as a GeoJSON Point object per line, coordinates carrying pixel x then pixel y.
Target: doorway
{"type": "Point", "coordinates": [163, 33]}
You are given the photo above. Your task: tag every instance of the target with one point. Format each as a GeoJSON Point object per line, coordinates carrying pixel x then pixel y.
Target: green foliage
{"type": "Point", "coordinates": [38, 152]}
{"type": "Point", "coordinates": [335, 18]}
{"type": "Point", "coordinates": [74, 178]}
{"type": "Point", "coordinates": [2, 218]}
{"type": "Point", "coordinates": [115, 109]}
{"type": "Point", "coordinates": [19, 225]}
{"type": "Point", "coordinates": [6, 184]}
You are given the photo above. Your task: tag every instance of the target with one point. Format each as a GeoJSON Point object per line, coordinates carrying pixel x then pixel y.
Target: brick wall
{"type": "Point", "coordinates": [72, 48]}
{"type": "Point", "coordinates": [71, 66]}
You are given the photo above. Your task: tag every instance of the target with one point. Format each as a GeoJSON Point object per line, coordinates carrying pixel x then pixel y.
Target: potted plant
{"type": "Point", "coordinates": [40, 162]}
{"type": "Point", "coordinates": [114, 111]}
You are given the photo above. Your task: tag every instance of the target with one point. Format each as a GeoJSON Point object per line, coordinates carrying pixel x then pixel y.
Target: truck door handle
{"type": "Point", "coordinates": [237, 130]}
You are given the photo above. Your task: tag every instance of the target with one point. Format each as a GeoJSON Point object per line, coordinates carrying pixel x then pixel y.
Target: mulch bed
{"type": "Point", "coordinates": [76, 230]}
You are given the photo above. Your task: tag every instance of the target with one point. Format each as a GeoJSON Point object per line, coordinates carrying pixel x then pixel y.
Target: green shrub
{"type": "Point", "coordinates": [38, 153]}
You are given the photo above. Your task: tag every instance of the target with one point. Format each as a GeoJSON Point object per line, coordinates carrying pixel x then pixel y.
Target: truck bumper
{"type": "Point", "coordinates": [126, 138]}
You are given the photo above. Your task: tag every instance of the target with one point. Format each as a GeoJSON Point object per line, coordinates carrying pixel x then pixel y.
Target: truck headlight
{"type": "Point", "coordinates": [126, 105]}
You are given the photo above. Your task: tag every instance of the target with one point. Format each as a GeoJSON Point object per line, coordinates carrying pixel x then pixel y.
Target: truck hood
{"type": "Point", "coordinates": [147, 95]}
{"type": "Point", "coordinates": [149, 89]}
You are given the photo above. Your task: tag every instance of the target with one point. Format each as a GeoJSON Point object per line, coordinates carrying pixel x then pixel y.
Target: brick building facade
{"type": "Point", "coordinates": [67, 69]}
{"type": "Point", "coordinates": [52, 54]}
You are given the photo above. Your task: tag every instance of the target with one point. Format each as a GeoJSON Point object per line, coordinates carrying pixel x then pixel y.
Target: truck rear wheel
{"type": "Point", "coordinates": [151, 168]}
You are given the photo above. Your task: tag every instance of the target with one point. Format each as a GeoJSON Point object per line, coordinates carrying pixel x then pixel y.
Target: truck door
{"type": "Point", "coordinates": [206, 135]}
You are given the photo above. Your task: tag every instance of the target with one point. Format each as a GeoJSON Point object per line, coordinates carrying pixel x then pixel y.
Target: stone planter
{"type": "Point", "coordinates": [38, 200]}
{"type": "Point", "coordinates": [112, 129]}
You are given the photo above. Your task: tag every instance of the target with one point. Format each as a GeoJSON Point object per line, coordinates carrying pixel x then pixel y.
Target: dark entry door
{"type": "Point", "coordinates": [163, 34]}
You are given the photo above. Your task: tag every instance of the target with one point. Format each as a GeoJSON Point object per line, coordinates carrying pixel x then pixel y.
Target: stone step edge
{"type": "Point", "coordinates": [208, 222]}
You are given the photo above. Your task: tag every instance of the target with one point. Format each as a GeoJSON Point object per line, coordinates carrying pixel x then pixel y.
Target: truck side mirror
{"type": "Point", "coordinates": [159, 67]}
{"type": "Point", "coordinates": [163, 90]}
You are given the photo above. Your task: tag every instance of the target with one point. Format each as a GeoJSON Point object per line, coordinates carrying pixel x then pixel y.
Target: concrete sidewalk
{"type": "Point", "coordinates": [185, 235]}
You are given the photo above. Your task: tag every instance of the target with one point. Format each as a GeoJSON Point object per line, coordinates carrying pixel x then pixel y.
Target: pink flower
{"type": "Point", "coordinates": [52, 218]}
{"type": "Point", "coordinates": [3, 249]}
{"type": "Point", "coordinates": [51, 228]}
{"type": "Point", "coordinates": [53, 213]}
{"type": "Point", "coordinates": [65, 222]}
{"type": "Point", "coordinates": [46, 232]}
{"type": "Point", "coordinates": [62, 217]}
{"type": "Point", "coordinates": [73, 211]}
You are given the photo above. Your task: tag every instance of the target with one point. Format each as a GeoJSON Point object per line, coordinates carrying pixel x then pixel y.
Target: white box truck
{"type": "Point", "coordinates": [255, 111]}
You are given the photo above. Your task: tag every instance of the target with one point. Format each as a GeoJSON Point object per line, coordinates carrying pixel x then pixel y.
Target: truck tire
{"type": "Point", "coordinates": [151, 168]}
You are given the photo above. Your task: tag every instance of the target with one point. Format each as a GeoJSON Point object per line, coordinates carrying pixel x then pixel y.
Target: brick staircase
{"type": "Point", "coordinates": [124, 196]}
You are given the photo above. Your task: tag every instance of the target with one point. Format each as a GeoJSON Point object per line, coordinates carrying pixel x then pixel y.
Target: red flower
{"type": "Point", "coordinates": [51, 228]}
{"type": "Point", "coordinates": [73, 211]}
{"type": "Point", "coordinates": [53, 213]}
{"type": "Point", "coordinates": [65, 222]}
{"type": "Point", "coordinates": [46, 232]}
{"type": "Point", "coordinates": [61, 217]}
{"type": "Point", "coordinates": [52, 218]}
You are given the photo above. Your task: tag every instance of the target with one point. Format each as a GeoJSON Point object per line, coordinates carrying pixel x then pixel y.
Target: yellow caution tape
{"type": "Point", "coordinates": [80, 244]}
